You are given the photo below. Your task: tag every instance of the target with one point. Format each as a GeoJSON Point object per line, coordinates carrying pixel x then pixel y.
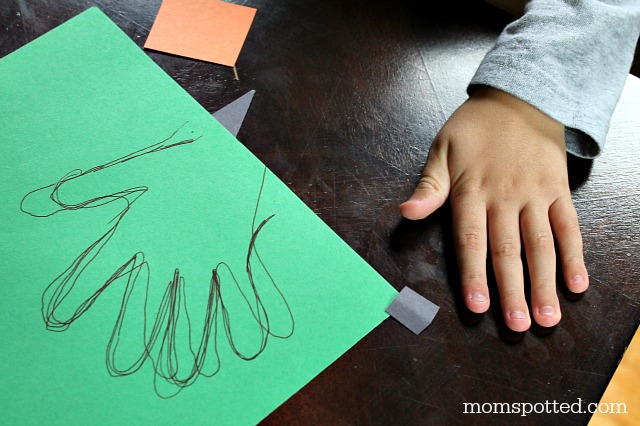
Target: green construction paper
{"type": "Point", "coordinates": [84, 97]}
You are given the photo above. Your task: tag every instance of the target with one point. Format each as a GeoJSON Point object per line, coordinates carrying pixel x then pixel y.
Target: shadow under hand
{"type": "Point", "coordinates": [411, 234]}
{"type": "Point", "coordinates": [579, 170]}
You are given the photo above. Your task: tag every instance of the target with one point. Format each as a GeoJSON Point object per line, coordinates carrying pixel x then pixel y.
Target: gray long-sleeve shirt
{"type": "Point", "coordinates": [569, 59]}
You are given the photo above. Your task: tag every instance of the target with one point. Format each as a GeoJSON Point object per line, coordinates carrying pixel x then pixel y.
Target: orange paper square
{"type": "Point", "coordinates": [209, 30]}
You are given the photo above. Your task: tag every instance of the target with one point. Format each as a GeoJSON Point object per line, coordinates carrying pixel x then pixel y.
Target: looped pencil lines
{"type": "Point", "coordinates": [176, 365]}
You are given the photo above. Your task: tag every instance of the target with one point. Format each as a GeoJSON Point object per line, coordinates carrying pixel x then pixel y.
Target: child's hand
{"type": "Point", "coordinates": [503, 163]}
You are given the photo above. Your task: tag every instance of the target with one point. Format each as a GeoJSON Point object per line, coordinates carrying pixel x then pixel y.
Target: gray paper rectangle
{"type": "Point", "coordinates": [412, 310]}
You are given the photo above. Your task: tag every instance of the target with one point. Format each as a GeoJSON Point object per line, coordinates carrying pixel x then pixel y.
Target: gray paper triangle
{"type": "Point", "coordinates": [232, 115]}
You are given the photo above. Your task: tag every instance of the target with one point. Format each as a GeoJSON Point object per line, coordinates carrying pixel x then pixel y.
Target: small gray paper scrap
{"type": "Point", "coordinates": [412, 310]}
{"type": "Point", "coordinates": [232, 115]}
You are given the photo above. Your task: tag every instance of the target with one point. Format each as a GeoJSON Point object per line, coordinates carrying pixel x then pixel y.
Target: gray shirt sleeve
{"type": "Point", "coordinates": [569, 59]}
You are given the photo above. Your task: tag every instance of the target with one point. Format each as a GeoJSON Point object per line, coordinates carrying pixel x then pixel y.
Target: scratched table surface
{"type": "Point", "coordinates": [349, 95]}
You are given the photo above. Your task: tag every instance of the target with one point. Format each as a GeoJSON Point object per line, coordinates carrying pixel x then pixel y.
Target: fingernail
{"type": "Point", "coordinates": [546, 310]}
{"type": "Point", "coordinates": [517, 315]}
{"type": "Point", "coordinates": [477, 297]}
{"type": "Point", "coordinates": [577, 280]}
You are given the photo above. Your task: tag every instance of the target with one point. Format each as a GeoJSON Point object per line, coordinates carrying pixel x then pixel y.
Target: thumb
{"type": "Point", "coordinates": [432, 189]}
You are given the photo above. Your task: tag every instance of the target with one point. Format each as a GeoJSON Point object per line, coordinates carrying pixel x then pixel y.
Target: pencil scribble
{"type": "Point", "coordinates": [159, 342]}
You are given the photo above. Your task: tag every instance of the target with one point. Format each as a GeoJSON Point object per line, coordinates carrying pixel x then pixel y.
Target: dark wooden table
{"type": "Point", "coordinates": [349, 96]}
